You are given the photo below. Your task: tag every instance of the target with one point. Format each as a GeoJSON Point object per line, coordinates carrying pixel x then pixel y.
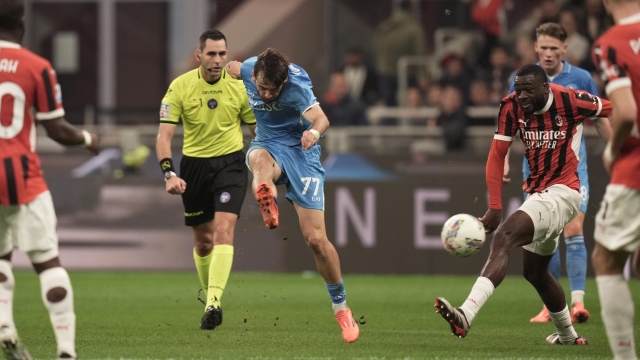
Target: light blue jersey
{"type": "Point", "coordinates": [281, 121]}
{"type": "Point", "coordinates": [571, 77]}
{"type": "Point", "coordinates": [279, 129]}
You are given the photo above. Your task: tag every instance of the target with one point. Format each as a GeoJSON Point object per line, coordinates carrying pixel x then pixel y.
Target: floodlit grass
{"type": "Point", "coordinates": [143, 315]}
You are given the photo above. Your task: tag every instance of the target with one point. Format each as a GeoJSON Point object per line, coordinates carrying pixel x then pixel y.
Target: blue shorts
{"type": "Point", "coordinates": [583, 175]}
{"type": "Point", "coordinates": [302, 172]}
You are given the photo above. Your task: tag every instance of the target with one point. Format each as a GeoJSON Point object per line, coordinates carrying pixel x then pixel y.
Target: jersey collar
{"type": "Point", "coordinates": [9, 44]}
{"type": "Point", "coordinates": [566, 68]}
{"type": "Point", "coordinates": [546, 107]}
{"type": "Point", "coordinates": [630, 19]}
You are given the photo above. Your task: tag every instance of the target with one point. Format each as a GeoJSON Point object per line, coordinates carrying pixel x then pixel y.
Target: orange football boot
{"type": "Point", "coordinates": [268, 206]}
{"type": "Point", "coordinates": [349, 326]}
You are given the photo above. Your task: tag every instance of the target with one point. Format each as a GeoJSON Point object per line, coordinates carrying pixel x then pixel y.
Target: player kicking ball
{"type": "Point", "coordinates": [285, 151]}
{"type": "Point", "coordinates": [550, 120]}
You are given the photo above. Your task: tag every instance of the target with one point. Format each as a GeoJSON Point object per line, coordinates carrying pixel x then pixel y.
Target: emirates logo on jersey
{"type": "Point", "coordinates": [558, 120]}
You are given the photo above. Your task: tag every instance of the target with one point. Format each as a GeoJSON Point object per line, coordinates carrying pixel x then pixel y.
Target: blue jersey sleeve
{"type": "Point", "coordinates": [590, 86]}
{"type": "Point", "coordinates": [301, 96]}
{"type": "Point", "coordinates": [247, 68]}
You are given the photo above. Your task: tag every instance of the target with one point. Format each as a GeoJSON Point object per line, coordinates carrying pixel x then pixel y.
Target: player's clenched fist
{"type": "Point", "coordinates": [175, 185]}
{"type": "Point", "coordinates": [308, 139]}
{"type": "Point", "coordinates": [233, 69]}
{"type": "Point", "coordinates": [491, 220]}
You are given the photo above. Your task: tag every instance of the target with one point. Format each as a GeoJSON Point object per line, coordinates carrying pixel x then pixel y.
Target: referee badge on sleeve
{"type": "Point", "coordinates": [225, 197]}
{"type": "Point", "coordinates": [164, 111]}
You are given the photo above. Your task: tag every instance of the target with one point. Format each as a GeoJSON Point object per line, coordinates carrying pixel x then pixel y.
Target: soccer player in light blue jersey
{"type": "Point", "coordinates": [550, 46]}
{"type": "Point", "coordinates": [285, 151]}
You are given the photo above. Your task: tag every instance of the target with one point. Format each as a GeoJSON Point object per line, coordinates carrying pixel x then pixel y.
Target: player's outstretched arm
{"type": "Point", "coordinates": [319, 124]}
{"type": "Point", "coordinates": [66, 134]}
{"type": "Point", "coordinates": [174, 185]}
{"type": "Point", "coordinates": [603, 126]}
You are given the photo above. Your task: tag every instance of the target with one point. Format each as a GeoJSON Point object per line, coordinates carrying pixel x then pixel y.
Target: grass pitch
{"type": "Point", "coordinates": [141, 315]}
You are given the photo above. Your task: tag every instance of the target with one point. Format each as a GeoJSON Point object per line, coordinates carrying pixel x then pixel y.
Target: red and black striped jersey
{"type": "Point", "coordinates": [28, 87]}
{"type": "Point", "coordinates": [552, 135]}
{"type": "Point", "coordinates": [617, 56]}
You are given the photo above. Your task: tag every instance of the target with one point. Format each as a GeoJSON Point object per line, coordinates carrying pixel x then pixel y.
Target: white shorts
{"type": "Point", "coordinates": [30, 228]}
{"type": "Point", "coordinates": [550, 210]}
{"type": "Point", "coordinates": [618, 220]}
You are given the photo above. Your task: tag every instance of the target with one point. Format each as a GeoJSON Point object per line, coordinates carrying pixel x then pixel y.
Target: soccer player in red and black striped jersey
{"type": "Point", "coordinates": [549, 118]}
{"type": "Point", "coordinates": [28, 86]}
{"type": "Point", "coordinates": [617, 55]}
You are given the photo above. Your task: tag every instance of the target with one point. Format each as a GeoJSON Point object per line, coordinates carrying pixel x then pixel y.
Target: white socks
{"type": "Point", "coordinates": [338, 307]}
{"type": "Point", "coordinates": [564, 327]}
{"type": "Point", "coordinates": [61, 313]}
{"type": "Point", "coordinates": [617, 315]}
{"type": "Point", "coordinates": [577, 296]}
{"type": "Point", "coordinates": [481, 291]}
{"type": "Point", "coordinates": [6, 295]}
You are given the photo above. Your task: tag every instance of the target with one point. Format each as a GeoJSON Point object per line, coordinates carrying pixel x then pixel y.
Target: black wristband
{"type": "Point", "coordinates": [166, 165]}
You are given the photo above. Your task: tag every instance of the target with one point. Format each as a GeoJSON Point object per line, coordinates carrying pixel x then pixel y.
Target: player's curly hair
{"type": "Point", "coordinates": [553, 30]}
{"type": "Point", "coordinates": [535, 70]}
{"type": "Point", "coordinates": [11, 13]}
{"type": "Point", "coordinates": [273, 66]}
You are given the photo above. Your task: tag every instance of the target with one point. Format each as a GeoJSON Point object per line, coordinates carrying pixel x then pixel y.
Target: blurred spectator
{"type": "Point", "coordinates": [434, 95]}
{"type": "Point", "coordinates": [361, 78]}
{"type": "Point", "coordinates": [525, 52]}
{"type": "Point", "coordinates": [595, 20]}
{"type": "Point", "coordinates": [577, 44]}
{"type": "Point", "coordinates": [456, 73]}
{"type": "Point", "coordinates": [479, 95]}
{"type": "Point", "coordinates": [397, 36]}
{"type": "Point", "coordinates": [414, 101]}
{"type": "Point", "coordinates": [549, 11]}
{"type": "Point", "coordinates": [489, 16]}
{"type": "Point", "coordinates": [453, 118]}
{"type": "Point", "coordinates": [498, 77]}
{"type": "Point", "coordinates": [340, 108]}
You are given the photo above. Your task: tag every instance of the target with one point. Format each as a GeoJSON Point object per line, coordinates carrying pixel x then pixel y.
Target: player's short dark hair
{"type": "Point", "coordinates": [212, 34]}
{"type": "Point", "coordinates": [533, 69]}
{"type": "Point", "coordinates": [273, 66]}
{"type": "Point", "coordinates": [11, 14]}
{"type": "Point", "coordinates": [552, 29]}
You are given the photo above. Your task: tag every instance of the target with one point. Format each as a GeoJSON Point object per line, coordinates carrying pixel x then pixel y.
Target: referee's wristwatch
{"type": "Point", "coordinates": [168, 175]}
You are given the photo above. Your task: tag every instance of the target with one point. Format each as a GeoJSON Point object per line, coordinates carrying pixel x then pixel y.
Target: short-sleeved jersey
{"type": "Point", "coordinates": [27, 83]}
{"type": "Point", "coordinates": [281, 121]}
{"type": "Point", "coordinates": [571, 77]}
{"type": "Point", "coordinates": [551, 135]}
{"type": "Point", "coordinates": [210, 113]}
{"type": "Point", "coordinates": [617, 56]}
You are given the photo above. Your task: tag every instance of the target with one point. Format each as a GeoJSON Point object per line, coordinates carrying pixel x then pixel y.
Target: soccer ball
{"type": "Point", "coordinates": [463, 235]}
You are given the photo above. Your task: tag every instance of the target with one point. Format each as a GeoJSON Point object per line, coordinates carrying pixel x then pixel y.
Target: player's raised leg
{"type": "Point", "coordinates": [577, 266]}
{"type": "Point", "coordinates": [220, 268]}
{"type": "Point", "coordinates": [12, 347]}
{"type": "Point", "coordinates": [57, 295]}
{"type": "Point", "coordinates": [516, 231]}
{"type": "Point", "coordinates": [265, 172]}
{"type": "Point", "coordinates": [326, 257]}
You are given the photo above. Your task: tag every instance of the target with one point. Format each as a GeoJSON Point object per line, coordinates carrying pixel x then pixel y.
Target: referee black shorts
{"type": "Point", "coordinates": [213, 184]}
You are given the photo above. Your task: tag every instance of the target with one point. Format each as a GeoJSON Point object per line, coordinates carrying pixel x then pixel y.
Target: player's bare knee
{"type": "Point", "coordinates": [56, 294]}
{"type": "Point", "coordinates": [573, 228]}
{"type": "Point", "coordinates": [3, 277]}
{"type": "Point", "coordinates": [316, 243]}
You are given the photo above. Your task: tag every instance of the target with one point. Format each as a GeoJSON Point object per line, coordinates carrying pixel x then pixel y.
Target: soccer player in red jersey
{"type": "Point", "coordinates": [550, 120]}
{"type": "Point", "coordinates": [28, 86]}
{"type": "Point", "coordinates": [617, 55]}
